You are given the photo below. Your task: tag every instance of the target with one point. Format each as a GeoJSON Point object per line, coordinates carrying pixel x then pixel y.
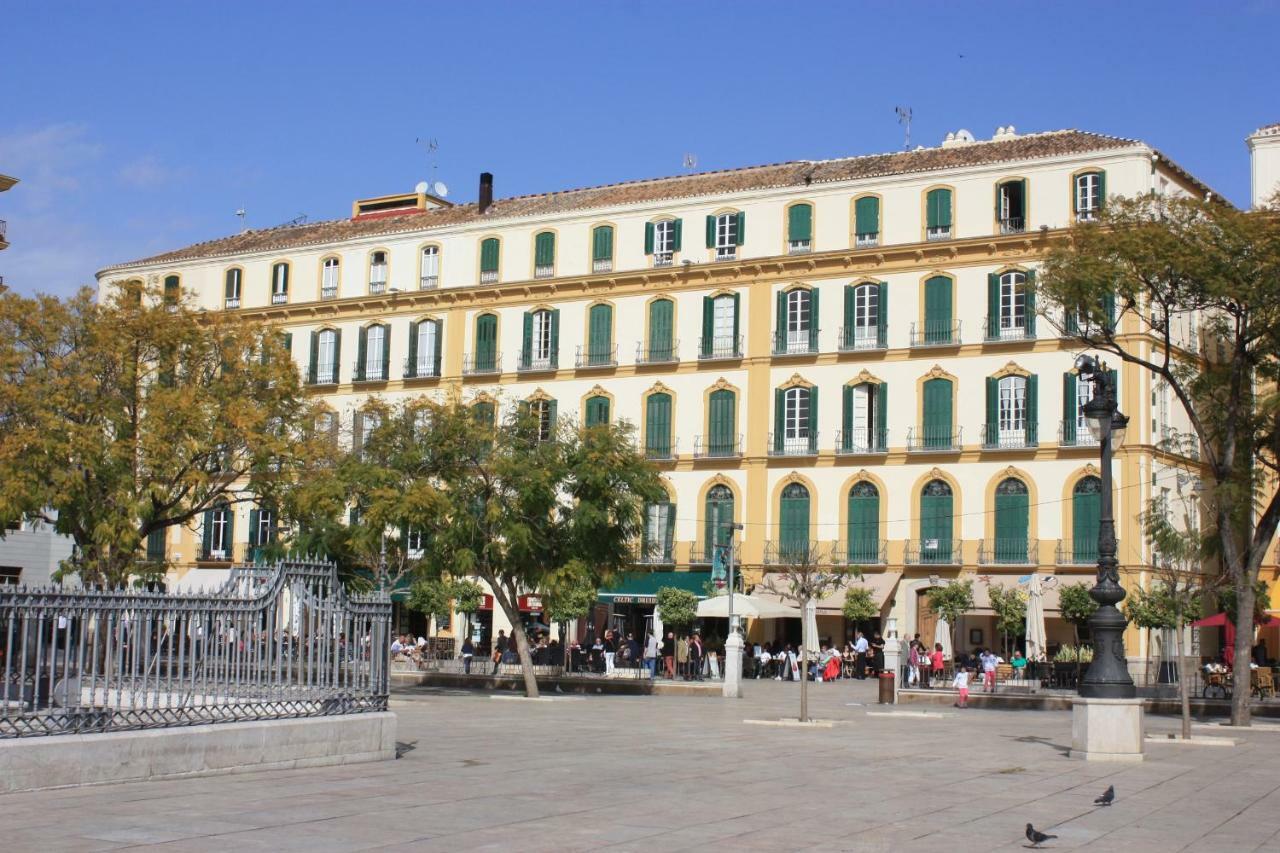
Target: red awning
{"type": "Point", "coordinates": [1219, 620]}
{"type": "Point", "coordinates": [530, 604]}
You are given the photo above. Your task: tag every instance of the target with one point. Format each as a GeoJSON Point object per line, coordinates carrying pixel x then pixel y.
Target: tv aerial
{"type": "Point", "coordinates": [690, 161]}
{"type": "Point", "coordinates": [904, 118]}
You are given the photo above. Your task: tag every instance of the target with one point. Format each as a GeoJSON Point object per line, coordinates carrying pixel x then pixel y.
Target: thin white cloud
{"type": "Point", "coordinates": [50, 161]}
{"type": "Point", "coordinates": [148, 173]}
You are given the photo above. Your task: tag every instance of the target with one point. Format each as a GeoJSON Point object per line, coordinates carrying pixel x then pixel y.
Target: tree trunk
{"type": "Point", "coordinates": [1242, 676]}
{"type": "Point", "coordinates": [804, 663]}
{"type": "Point", "coordinates": [1184, 692]}
{"type": "Point", "coordinates": [526, 659]}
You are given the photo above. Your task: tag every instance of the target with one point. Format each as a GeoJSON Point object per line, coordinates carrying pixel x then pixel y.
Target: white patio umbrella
{"type": "Point", "coordinates": [657, 624]}
{"type": "Point", "coordinates": [745, 606]}
{"type": "Point", "coordinates": [942, 634]}
{"type": "Point", "coordinates": [811, 627]}
{"type": "Point", "coordinates": [1036, 639]}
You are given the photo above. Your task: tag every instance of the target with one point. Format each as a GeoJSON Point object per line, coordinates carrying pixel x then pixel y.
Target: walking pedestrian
{"type": "Point", "coordinates": [468, 651]}
{"type": "Point", "coordinates": [669, 654]}
{"type": "Point", "coordinates": [650, 653]}
{"type": "Point", "coordinates": [860, 648]}
{"type": "Point", "coordinates": [499, 648]}
{"type": "Point", "coordinates": [989, 661]}
{"type": "Point", "coordinates": [935, 663]}
{"type": "Point", "coordinates": [961, 684]}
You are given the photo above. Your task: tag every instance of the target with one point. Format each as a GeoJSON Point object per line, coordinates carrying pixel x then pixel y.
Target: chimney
{"type": "Point", "coordinates": [486, 191]}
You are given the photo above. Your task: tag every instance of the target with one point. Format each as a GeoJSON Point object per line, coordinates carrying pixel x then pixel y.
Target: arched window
{"type": "Point", "coordinates": [329, 271]}
{"type": "Point", "coordinates": [541, 349]}
{"type": "Point", "coordinates": [325, 351]}
{"type": "Point", "coordinates": [793, 524]}
{"type": "Point", "coordinates": [658, 543]}
{"type": "Point", "coordinates": [938, 214]}
{"type": "Point", "coordinates": [722, 424]}
{"type": "Point", "coordinates": [657, 426]}
{"type": "Point", "coordinates": [795, 421]}
{"type": "Point", "coordinates": [937, 430]}
{"type": "Point", "coordinates": [1011, 206]}
{"type": "Point", "coordinates": [234, 285]}
{"type": "Point", "coordinates": [864, 325]}
{"type": "Point", "coordinates": [597, 411]}
{"type": "Point", "coordinates": [661, 332]}
{"type": "Point", "coordinates": [375, 348]}
{"type": "Point", "coordinates": [936, 523]}
{"type": "Point", "coordinates": [378, 272]}
{"type": "Point", "coordinates": [799, 228]}
{"type": "Point", "coordinates": [864, 524]}
{"type": "Point", "coordinates": [938, 326]}
{"type": "Point", "coordinates": [719, 512]}
{"type": "Point", "coordinates": [1012, 412]}
{"type": "Point", "coordinates": [1012, 307]}
{"type": "Point", "coordinates": [720, 327]}
{"type": "Point", "coordinates": [489, 250]}
{"type": "Point", "coordinates": [725, 232]}
{"type": "Point", "coordinates": [602, 248]}
{"type": "Point", "coordinates": [1089, 191]}
{"type": "Point", "coordinates": [662, 241]}
{"type": "Point", "coordinates": [796, 322]}
{"type": "Point", "coordinates": [218, 533]}
{"type": "Point", "coordinates": [172, 290]}
{"type": "Point", "coordinates": [1012, 510]}
{"type": "Point", "coordinates": [280, 283]}
{"type": "Point", "coordinates": [429, 274]}
{"type": "Point", "coordinates": [486, 355]}
{"type": "Point", "coordinates": [544, 255]}
{"type": "Point", "coordinates": [1086, 516]}
{"type": "Point", "coordinates": [600, 336]}
{"type": "Point", "coordinates": [864, 421]}
{"type": "Point", "coordinates": [424, 349]}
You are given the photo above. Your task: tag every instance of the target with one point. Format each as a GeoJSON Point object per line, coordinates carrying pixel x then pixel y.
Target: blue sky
{"type": "Point", "coordinates": [140, 127]}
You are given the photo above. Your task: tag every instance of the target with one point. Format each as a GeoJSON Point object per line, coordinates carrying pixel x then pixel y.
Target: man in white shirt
{"type": "Point", "coordinates": [396, 646]}
{"type": "Point", "coordinates": [861, 647]}
{"type": "Point", "coordinates": [762, 661]}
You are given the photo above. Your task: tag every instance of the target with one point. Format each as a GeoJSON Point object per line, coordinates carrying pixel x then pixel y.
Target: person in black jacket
{"type": "Point", "coordinates": [696, 653]}
{"type": "Point", "coordinates": [669, 654]}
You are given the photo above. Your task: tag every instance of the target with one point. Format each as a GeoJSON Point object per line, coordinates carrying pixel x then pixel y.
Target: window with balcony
{"type": "Point", "coordinates": [799, 229]}
{"type": "Point", "coordinates": [597, 411]}
{"type": "Point", "coordinates": [1011, 206]}
{"type": "Point", "coordinates": [374, 352]}
{"type": "Point", "coordinates": [485, 358]}
{"type": "Point", "coordinates": [864, 418]}
{"type": "Point", "coordinates": [363, 426]}
{"type": "Point", "coordinates": [657, 426]}
{"type": "Point", "coordinates": [544, 413]}
{"type": "Point", "coordinates": [218, 529]}
{"type": "Point", "coordinates": [378, 273]}
{"type": "Point", "coordinates": [172, 290]}
{"type": "Point", "coordinates": [657, 544]}
{"type": "Point", "coordinates": [1011, 412]}
{"type": "Point", "coordinates": [939, 327]}
{"type": "Point", "coordinates": [329, 272]}
{"type": "Point", "coordinates": [1089, 191]}
{"type": "Point", "coordinates": [1086, 512]}
{"type": "Point", "coordinates": [661, 343]}
{"type": "Point", "coordinates": [415, 541]}
{"type": "Point", "coordinates": [795, 421]}
{"type": "Point", "coordinates": [936, 524]}
{"type": "Point", "coordinates": [600, 350]}
{"type": "Point", "coordinates": [1075, 394]}
{"type": "Point", "coordinates": [937, 432]}
{"type": "Point", "coordinates": [262, 531]}
{"type": "Point", "coordinates": [718, 513]}
{"type": "Point", "coordinates": [938, 214]}
{"type": "Point", "coordinates": [662, 241]}
{"type": "Point", "coordinates": [866, 308]}
{"type": "Point", "coordinates": [863, 526]}
{"type": "Point", "coordinates": [279, 283]}
{"type": "Point", "coordinates": [1012, 511]}
{"type": "Point", "coordinates": [325, 350]}
{"type": "Point", "coordinates": [1011, 306]}
{"type": "Point", "coordinates": [234, 284]}
{"type": "Point", "coordinates": [725, 232]}
{"type": "Point", "coordinates": [793, 524]}
{"type": "Point", "coordinates": [602, 248]}
{"type": "Point", "coordinates": [429, 268]}
{"type": "Point", "coordinates": [424, 349]}
{"type": "Point", "coordinates": [866, 222]}
{"type": "Point", "coordinates": [797, 326]}
{"type": "Point", "coordinates": [722, 424]}
{"type": "Point", "coordinates": [544, 255]}
{"type": "Point", "coordinates": [720, 327]}
{"type": "Point", "coordinates": [489, 249]}
{"type": "Point", "coordinates": [541, 340]}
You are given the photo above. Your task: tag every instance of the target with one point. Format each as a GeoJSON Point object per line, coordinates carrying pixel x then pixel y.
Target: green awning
{"type": "Point", "coordinates": [642, 587]}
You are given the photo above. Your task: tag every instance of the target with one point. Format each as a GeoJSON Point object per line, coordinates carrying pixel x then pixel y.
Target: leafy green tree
{"type": "Point", "coordinates": [134, 414]}
{"type": "Point", "coordinates": [1192, 284]}
{"type": "Point", "coordinates": [678, 607]}
{"type": "Point", "coordinates": [951, 601]}
{"type": "Point", "coordinates": [1228, 602]}
{"type": "Point", "coordinates": [859, 605]}
{"type": "Point", "coordinates": [569, 595]}
{"type": "Point", "coordinates": [432, 597]}
{"type": "Point", "coordinates": [1077, 607]}
{"type": "Point", "coordinates": [522, 502]}
{"type": "Point", "coordinates": [1010, 607]}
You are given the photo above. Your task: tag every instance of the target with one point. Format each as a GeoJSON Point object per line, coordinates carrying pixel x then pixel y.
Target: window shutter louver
{"type": "Point", "coordinates": [386, 352]}
{"type": "Point", "coordinates": [313, 366]}
{"type": "Point", "coordinates": [489, 255]}
{"type": "Point", "coordinates": [1033, 409]}
{"type": "Point", "coordinates": [993, 305]}
{"type": "Point", "coordinates": [813, 319]}
{"type": "Point", "coordinates": [734, 343]}
{"type": "Point", "coordinates": [660, 316]}
{"type": "Point", "coordinates": [1102, 189]}
{"type": "Point", "coordinates": [1109, 309]}
{"type": "Point", "coordinates": [1069, 412]}
{"type": "Point", "coordinates": [708, 323]}
{"type": "Point", "coordinates": [1030, 286]}
{"type": "Point", "coordinates": [880, 440]}
{"type": "Point", "coordinates": [670, 532]}
{"type": "Point", "coordinates": [253, 529]}
{"type": "Point", "coordinates": [742, 227]}
{"type": "Point", "coordinates": [526, 347]}
{"type": "Point", "coordinates": [846, 417]}
{"type": "Point", "coordinates": [207, 536]}
{"type": "Point", "coordinates": [779, 417]}
{"type": "Point", "coordinates": [882, 313]}
{"type": "Point", "coordinates": [229, 291]}
{"type": "Point", "coordinates": [357, 431]}
{"type": "Point", "coordinates": [602, 244]}
{"type": "Point", "coordinates": [362, 347]}
{"type": "Point", "coordinates": [555, 337]}
{"type": "Point", "coordinates": [337, 356]}
{"type": "Point", "coordinates": [439, 345]}
{"type": "Point", "coordinates": [676, 230]}
{"type": "Point", "coordinates": [813, 416]}
{"type": "Point", "coordinates": [780, 322]}
{"type": "Point", "coordinates": [1026, 204]}
{"type": "Point", "coordinates": [866, 212]}
{"type": "Point", "coordinates": [411, 368]}
{"type": "Point", "coordinates": [287, 343]}
{"type": "Point", "coordinates": [993, 409]}
{"type": "Point", "coordinates": [711, 231]}
{"type": "Point", "coordinates": [545, 249]}
{"type": "Point", "coordinates": [850, 297]}
{"type": "Point", "coordinates": [800, 222]}
{"type": "Point", "coordinates": [1075, 193]}
{"type": "Point", "coordinates": [648, 238]}
{"type": "Point", "coordinates": [551, 416]}
{"type": "Point", "coordinates": [229, 540]}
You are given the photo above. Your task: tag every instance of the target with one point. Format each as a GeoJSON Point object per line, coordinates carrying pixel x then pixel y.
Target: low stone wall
{"type": "Point", "coordinates": [566, 683]}
{"type": "Point", "coordinates": [68, 760]}
{"type": "Point", "coordinates": [1062, 702]}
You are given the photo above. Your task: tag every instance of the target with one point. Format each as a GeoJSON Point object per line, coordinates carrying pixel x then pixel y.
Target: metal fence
{"type": "Point", "coordinates": [272, 642]}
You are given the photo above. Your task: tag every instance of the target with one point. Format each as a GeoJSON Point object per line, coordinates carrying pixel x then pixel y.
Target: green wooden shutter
{"type": "Point", "coordinates": [486, 341]}
{"type": "Point", "coordinates": [648, 238]}
{"type": "Point", "coordinates": [723, 422]}
{"type": "Point", "coordinates": [313, 365]}
{"type": "Point", "coordinates": [660, 323]}
{"type": "Point", "coordinates": [708, 323]}
{"type": "Point", "coordinates": [439, 345]}
{"type": "Point", "coordinates": [1011, 527]}
{"type": "Point", "coordinates": [1033, 409]}
{"type": "Point", "coordinates": [849, 313]}
{"type": "Point", "coordinates": [864, 527]}
{"type": "Point", "coordinates": [711, 231]}
{"type": "Point", "coordinates": [544, 249]}
{"type": "Point", "coordinates": [677, 228]}
{"type": "Point", "coordinates": [944, 208]}
{"type": "Point", "coordinates": [555, 337]}
{"type": "Point", "coordinates": [254, 515]}
{"type": "Point", "coordinates": [800, 222]}
{"type": "Point", "coordinates": [288, 344]}
{"type": "Point", "coordinates": [866, 213]}
{"type": "Point", "coordinates": [780, 323]}
{"type": "Point", "coordinates": [734, 296]}
{"type": "Point", "coordinates": [1109, 309]}
{"type": "Point", "coordinates": [597, 411]}
{"type": "Point", "coordinates": [362, 347]}
{"type": "Point", "coordinates": [935, 524]}
{"type": "Point", "coordinates": [489, 255]}
{"type": "Point", "coordinates": [657, 431]}
{"type": "Point", "coordinates": [846, 417]}
{"type": "Point", "coordinates": [207, 533]}
{"type": "Point", "coordinates": [742, 227]}
{"type": "Point", "coordinates": [602, 244]}
{"type": "Point", "coordinates": [993, 410]}
{"type": "Point", "coordinates": [600, 334]}
{"type": "Point", "coordinates": [813, 319]}
{"type": "Point", "coordinates": [229, 289]}
{"type": "Point", "coordinates": [526, 347]}
{"type": "Point", "coordinates": [386, 352]}
{"type": "Point", "coordinates": [411, 365]}
{"type": "Point", "coordinates": [794, 532]}
{"type": "Point", "coordinates": [937, 309]}
{"type": "Point", "coordinates": [1075, 193]}
{"type": "Point", "coordinates": [813, 416]}
{"type": "Point", "coordinates": [779, 417]}
{"type": "Point", "coordinates": [937, 413]}
{"type": "Point", "coordinates": [1069, 408]}
{"type": "Point", "coordinates": [880, 441]}
{"type": "Point", "coordinates": [552, 408]}
{"type": "Point", "coordinates": [1086, 514]}
{"type": "Point", "coordinates": [993, 305]}
{"type": "Point", "coordinates": [1030, 290]}
{"type": "Point", "coordinates": [670, 533]}
{"type": "Point", "coordinates": [337, 356]}
{"type": "Point", "coordinates": [1113, 379]}
{"type": "Point", "coordinates": [1102, 190]}
{"type": "Point", "coordinates": [231, 531]}
{"type": "Point", "coordinates": [1026, 204]}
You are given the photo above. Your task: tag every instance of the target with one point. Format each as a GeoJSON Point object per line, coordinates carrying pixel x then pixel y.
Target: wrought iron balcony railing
{"type": "Point", "coordinates": [934, 439]}
{"type": "Point", "coordinates": [481, 364]}
{"type": "Point", "coordinates": [858, 338]}
{"type": "Point", "coordinates": [421, 368]}
{"type": "Point", "coordinates": [859, 552]}
{"type": "Point", "coordinates": [655, 554]}
{"type": "Point", "coordinates": [799, 247]}
{"type": "Point", "coordinates": [933, 333]}
{"type": "Point", "coordinates": [1015, 552]}
{"type": "Point", "coordinates": [602, 265]}
{"type": "Point", "coordinates": [597, 356]}
{"type": "Point", "coordinates": [933, 552]}
{"type": "Point", "coordinates": [938, 232]}
{"type": "Point", "coordinates": [659, 352]}
{"type": "Point", "coordinates": [1012, 225]}
{"type": "Point", "coordinates": [1078, 552]}
{"type": "Point", "coordinates": [717, 447]}
{"type": "Point", "coordinates": [1022, 438]}
{"type": "Point", "coordinates": [798, 445]}
{"type": "Point", "coordinates": [790, 552]}
{"type": "Point", "coordinates": [369, 372]}
{"type": "Point", "coordinates": [660, 448]}
{"type": "Point", "coordinates": [1006, 329]}
{"type": "Point", "coordinates": [530, 363]}
{"type": "Point", "coordinates": [851, 442]}
{"type": "Point", "coordinates": [866, 240]}
{"type": "Point", "coordinates": [719, 347]}
{"type": "Point", "coordinates": [428, 282]}
{"type": "Point", "coordinates": [488, 276]}
{"type": "Point", "coordinates": [796, 343]}
{"type": "Point", "coordinates": [1074, 434]}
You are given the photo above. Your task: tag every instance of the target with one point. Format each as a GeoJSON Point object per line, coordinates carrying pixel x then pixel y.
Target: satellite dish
{"type": "Point", "coordinates": [440, 189]}
{"type": "Point", "coordinates": [422, 188]}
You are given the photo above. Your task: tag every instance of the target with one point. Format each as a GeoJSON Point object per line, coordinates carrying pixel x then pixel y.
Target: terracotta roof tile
{"type": "Point", "coordinates": [795, 173]}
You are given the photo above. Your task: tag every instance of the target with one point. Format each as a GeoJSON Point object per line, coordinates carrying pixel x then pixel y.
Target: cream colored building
{"type": "Point", "coordinates": [839, 351]}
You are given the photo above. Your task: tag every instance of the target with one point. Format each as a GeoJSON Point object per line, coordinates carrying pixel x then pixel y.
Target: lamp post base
{"type": "Point", "coordinates": [733, 666]}
{"type": "Point", "coordinates": [1107, 729]}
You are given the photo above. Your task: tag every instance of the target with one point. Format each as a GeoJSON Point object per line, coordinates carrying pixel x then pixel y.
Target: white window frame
{"type": "Point", "coordinates": [542, 411]}
{"type": "Point", "coordinates": [1087, 201]}
{"type": "Point", "coordinates": [427, 332]}
{"type": "Point", "coordinates": [540, 338]}
{"type": "Point", "coordinates": [219, 521]}
{"type": "Point", "coordinates": [722, 339]}
{"type": "Point", "coordinates": [656, 521]}
{"type": "Point", "coordinates": [279, 283]}
{"type": "Point", "coordinates": [326, 366]}
{"type": "Point", "coordinates": [429, 268]}
{"type": "Point", "coordinates": [374, 340]}
{"type": "Point", "coordinates": [726, 236]}
{"type": "Point", "coordinates": [329, 272]}
{"type": "Point", "coordinates": [1011, 410]}
{"type": "Point", "coordinates": [1084, 393]}
{"type": "Point", "coordinates": [369, 422]}
{"type": "Point", "coordinates": [263, 534]}
{"type": "Point", "coordinates": [863, 417]}
{"type": "Point", "coordinates": [377, 272]}
{"type": "Point", "coordinates": [1013, 305]}
{"type": "Point", "coordinates": [799, 304]}
{"type": "Point", "coordinates": [238, 281]}
{"type": "Point", "coordinates": [664, 242]}
{"type": "Point", "coordinates": [413, 542]}
{"type": "Point", "coordinates": [866, 316]}
{"type": "Point", "coordinates": [795, 419]}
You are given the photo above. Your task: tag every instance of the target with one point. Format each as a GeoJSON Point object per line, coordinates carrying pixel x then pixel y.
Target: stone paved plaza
{"type": "Point", "coordinates": [676, 773]}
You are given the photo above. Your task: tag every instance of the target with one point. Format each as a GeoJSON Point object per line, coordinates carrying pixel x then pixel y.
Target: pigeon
{"type": "Point", "coordinates": [1108, 797]}
{"type": "Point", "coordinates": [1037, 838]}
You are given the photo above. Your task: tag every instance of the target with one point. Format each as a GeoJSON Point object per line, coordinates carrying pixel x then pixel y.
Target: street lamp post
{"type": "Point", "coordinates": [732, 643]}
{"type": "Point", "coordinates": [1108, 674]}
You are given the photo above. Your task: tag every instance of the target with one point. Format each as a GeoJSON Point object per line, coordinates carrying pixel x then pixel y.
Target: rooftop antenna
{"type": "Point", "coordinates": [432, 146]}
{"type": "Point", "coordinates": [240, 213]}
{"type": "Point", "coordinates": [904, 118]}
{"type": "Point", "coordinates": [690, 160]}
